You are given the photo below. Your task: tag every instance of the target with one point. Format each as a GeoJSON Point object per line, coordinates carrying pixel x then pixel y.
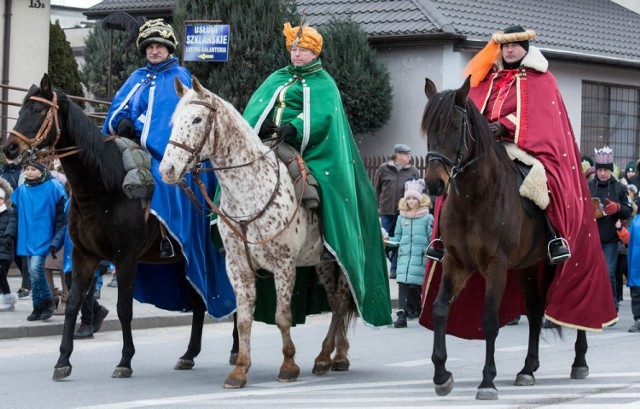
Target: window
{"type": "Point", "coordinates": [610, 116]}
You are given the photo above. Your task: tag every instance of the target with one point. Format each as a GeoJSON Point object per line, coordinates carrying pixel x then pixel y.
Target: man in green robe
{"type": "Point", "coordinates": [301, 104]}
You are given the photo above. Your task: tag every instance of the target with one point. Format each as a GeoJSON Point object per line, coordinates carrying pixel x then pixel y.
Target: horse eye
{"type": "Point", "coordinates": [197, 120]}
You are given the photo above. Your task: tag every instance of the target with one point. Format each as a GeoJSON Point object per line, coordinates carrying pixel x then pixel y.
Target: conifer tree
{"type": "Point", "coordinates": [363, 81]}
{"type": "Point", "coordinates": [63, 68]}
{"type": "Point", "coordinates": [124, 60]}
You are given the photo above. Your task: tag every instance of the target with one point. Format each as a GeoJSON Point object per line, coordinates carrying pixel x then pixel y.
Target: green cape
{"type": "Point", "coordinates": [308, 98]}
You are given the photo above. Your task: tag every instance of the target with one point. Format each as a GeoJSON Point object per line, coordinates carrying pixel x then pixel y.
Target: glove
{"type": "Point", "coordinates": [611, 207]}
{"type": "Point", "coordinates": [287, 132]}
{"type": "Point", "coordinates": [267, 128]}
{"type": "Point", "coordinates": [126, 128]}
{"type": "Point", "coordinates": [53, 250]}
{"type": "Point", "coordinates": [497, 129]}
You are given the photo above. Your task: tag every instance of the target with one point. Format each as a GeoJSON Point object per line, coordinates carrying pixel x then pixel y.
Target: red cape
{"type": "Point", "coordinates": [580, 294]}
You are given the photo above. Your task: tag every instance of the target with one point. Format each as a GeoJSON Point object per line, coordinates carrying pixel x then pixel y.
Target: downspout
{"type": "Point", "coordinates": [5, 62]}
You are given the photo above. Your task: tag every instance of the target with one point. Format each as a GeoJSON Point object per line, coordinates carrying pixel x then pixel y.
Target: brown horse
{"type": "Point", "coordinates": [104, 224]}
{"type": "Point", "coordinates": [465, 161]}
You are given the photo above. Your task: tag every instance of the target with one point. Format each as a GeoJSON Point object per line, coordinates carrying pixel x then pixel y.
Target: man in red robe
{"type": "Point", "coordinates": [521, 100]}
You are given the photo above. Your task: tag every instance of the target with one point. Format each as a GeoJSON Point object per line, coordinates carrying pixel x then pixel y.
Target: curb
{"type": "Point", "coordinates": [48, 329]}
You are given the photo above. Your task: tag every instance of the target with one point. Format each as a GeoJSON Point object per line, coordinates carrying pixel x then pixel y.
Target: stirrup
{"type": "Point", "coordinates": [433, 253]}
{"type": "Point", "coordinates": [166, 248]}
{"type": "Point", "coordinates": [560, 248]}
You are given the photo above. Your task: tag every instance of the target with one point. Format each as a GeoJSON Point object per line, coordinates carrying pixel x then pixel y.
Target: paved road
{"type": "Point", "coordinates": [390, 368]}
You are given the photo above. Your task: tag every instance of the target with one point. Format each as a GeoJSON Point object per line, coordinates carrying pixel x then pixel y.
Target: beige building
{"type": "Point", "coordinates": [24, 43]}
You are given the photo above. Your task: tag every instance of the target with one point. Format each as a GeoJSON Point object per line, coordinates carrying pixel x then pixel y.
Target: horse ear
{"type": "Point", "coordinates": [179, 86]}
{"type": "Point", "coordinates": [46, 87]}
{"type": "Point", "coordinates": [463, 92]}
{"type": "Point", "coordinates": [429, 88]}
{"type": "Point", "coordinates": [197, 87]}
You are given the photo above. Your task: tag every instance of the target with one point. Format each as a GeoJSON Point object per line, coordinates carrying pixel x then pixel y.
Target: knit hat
{"type": "Point", "coordinates": [631, 167]}
{"type": "Point", "coordinates": [604, 158]}
{"type": "Point", "coordinates": [156, 31]}
{"type": "Point", "coordinates": [401, 148]}
{"type": "Point", "coordinates": [514, 34]}
{"type": "Point", "coordinates": [37, 165]}
{"type": "Point", "coordinates": [590, 171]}
{"type": "Point", "coordinates": [414, 188]}
{"type": "Point", "coordinates": [305, 37]}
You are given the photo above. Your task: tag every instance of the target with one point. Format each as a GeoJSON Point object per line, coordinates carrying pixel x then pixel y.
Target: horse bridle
{"type": "Point", "coordinates": [50, 118]}
{"type": "Point", "coordinates": [457, 167]}
{"type": "Point", "coordinates": [195, 152]}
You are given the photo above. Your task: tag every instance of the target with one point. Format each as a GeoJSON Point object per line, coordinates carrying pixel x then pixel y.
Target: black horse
{"type": "Point", "coordinates": [465, 160]}
{"type": "Point", "coordinates": [104, 224]}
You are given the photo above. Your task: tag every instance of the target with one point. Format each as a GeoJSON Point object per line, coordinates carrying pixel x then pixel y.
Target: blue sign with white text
{"type": "Point", "coordinates": [206, 42]}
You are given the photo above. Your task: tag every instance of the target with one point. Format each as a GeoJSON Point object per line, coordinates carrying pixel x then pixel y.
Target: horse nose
{"type": "Point", "coordinates": [168, 173]}
{"type": "Point", "coordinates": [11, 150]}
{"type": "Point", "coordinates": [435, 187]}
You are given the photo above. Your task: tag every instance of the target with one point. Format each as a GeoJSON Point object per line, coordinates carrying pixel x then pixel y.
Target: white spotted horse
{"type": "Point", "coordinates": [263, 225]}
{"type": "Point", "coordinates": [104, 224]}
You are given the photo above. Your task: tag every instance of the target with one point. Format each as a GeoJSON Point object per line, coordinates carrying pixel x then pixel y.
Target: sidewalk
{"type": "Point", "coordinates": [14, 324]}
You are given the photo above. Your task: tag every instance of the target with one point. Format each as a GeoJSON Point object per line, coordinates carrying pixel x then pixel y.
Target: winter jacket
{"type": "Point", "coordinates": [633, 255]}
{"type": "Point", "coordinates": [11, 173]}
{"type": "Point", "coordinates": [8, 233]}
{"type": "Point", "coordinates": [616, 192]}
{"type": "Point", "coordinates": [41, 216]}
{"type": "Point", "coordinates": [389, 184]}
{"type": "Point", "coordinates": [413, 232]}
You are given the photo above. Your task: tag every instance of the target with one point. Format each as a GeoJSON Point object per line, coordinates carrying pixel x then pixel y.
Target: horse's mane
{"type": "Point", "coordinates": [439, 115]}
{"type": "Point", "coordinates": [227, 113]}
{"type": "Point", "coordinates": [95, 152]}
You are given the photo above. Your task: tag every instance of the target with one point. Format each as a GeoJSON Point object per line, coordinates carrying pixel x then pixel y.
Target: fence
{"type": "Point", "coordinates": [98, 117]}
{"type": "Point", "coordinates": [371, 164]}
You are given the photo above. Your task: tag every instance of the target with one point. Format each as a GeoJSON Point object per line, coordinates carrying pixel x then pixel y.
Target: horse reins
{"type": "Point", "coordinates": [51, 117]}
{"type": "Point", "coordinates": [229, 220]}
{"type": "Point", "coordinates": [456, 167]}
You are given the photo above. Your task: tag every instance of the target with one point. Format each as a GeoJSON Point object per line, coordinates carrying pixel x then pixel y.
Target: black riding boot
{"type": "Point", "coordinates": [166, 248]}
{"type": "Point", "coordinates": [433, 252]}
{"type": "Point", "coordinates": [557, 248]}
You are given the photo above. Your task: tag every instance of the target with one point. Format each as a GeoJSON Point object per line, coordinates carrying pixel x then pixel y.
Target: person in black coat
{"type": "Point", "coordinates": [616, 206]}
{"type": "Point", "coordinates": [10, 172]}
{"type": "Point", "coordinates": [8, 231]}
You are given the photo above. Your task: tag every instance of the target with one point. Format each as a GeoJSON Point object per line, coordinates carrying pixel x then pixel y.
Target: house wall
{"type": "Point", "coordinates": [29, 48]}
{"type": "Point", "coordinates": [408, 68]}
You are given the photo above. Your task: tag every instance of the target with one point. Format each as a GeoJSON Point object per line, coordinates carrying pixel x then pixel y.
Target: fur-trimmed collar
{"type": "Point", "coordinates": [534, 60]}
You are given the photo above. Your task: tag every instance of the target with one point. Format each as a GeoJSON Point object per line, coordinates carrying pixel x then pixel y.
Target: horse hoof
{"type": "Point", "coordinates": [61, 373]}
{"type": "Point", "coordinates": [524, 380]}
{"type": "Point", "coordinates": [288, 376]}
{"type": "Point", "coordinates": [321, 368]}
{"type": "Point", "coordinates": [232, 383]}
{"type": "Point", "coordinates": [233, 358]}
{"type": "Point", "coordinates": [579, 372]}
{"type": "Point", "coordinates": [445, 388]}
{"type": "Point", "coordinates": [487, 394]}
{"type": "Point", "coordinates": [340, 366]}
{"type": "Point", "coordinates": [184, 364]}
{"type": "Point", "coordinates": [122, 372]}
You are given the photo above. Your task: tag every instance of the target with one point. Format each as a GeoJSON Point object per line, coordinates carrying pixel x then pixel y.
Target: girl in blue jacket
{"type": "Point", "coordinates": [413, 230]}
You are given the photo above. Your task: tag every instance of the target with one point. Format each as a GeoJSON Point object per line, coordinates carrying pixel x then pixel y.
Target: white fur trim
{"type": "Point", "coordinates": [534, 186]}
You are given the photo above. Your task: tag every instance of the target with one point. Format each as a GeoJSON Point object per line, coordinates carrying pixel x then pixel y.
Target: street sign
{"type": "Point", "coordinates": [205, 41]}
